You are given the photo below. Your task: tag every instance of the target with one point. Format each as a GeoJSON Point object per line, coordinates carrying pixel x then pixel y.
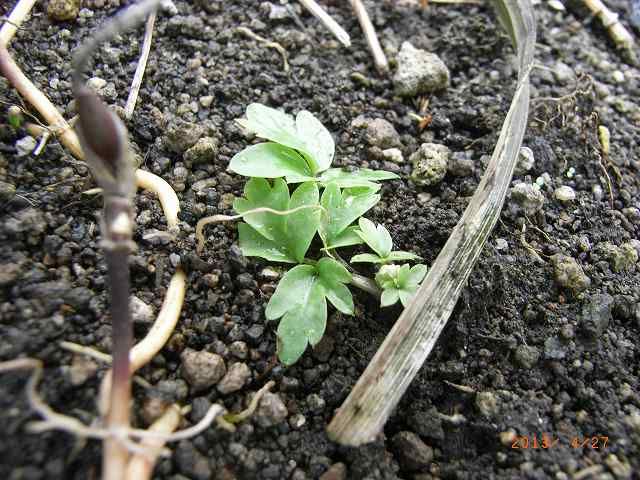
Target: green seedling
{"type": "Point", "coordinates": [14, 116]}
{"type": "Point", "coordinates": [293, 193]}
{"type": "Point", "coordinates": [399, 282]}
{"type": "Point", "coordinates": [379, 240]}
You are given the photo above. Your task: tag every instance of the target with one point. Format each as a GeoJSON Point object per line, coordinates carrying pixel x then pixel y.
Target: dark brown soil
{"type": "Point", "coordinates": [520, 354]}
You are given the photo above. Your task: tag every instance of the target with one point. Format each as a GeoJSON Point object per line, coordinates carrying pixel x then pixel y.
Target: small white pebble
{"type": "Point", "coordinates": [565, 194]}
{"type": "Point", "coordinates": [557, 5]}
{"type": "Point", "coordinates": [618, 76]}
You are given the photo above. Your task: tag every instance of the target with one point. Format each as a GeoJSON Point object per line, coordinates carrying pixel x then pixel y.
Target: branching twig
{"type": "Point", "coordinates": [328, 22]}
{"type": "Point", "coordinates": [142, 64]}
{"type": "Point", "coordinates": [379, 58]}
{"type": "Point", "coordinates": [267, 43]}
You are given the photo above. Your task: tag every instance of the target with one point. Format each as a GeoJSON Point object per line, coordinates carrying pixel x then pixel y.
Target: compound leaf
{"type": "Point", "coordinates": [259, 193]}
{"type": "Point", "coordinates": [342, 208]}
{"type": "Point", "coordinates": [253, 244]}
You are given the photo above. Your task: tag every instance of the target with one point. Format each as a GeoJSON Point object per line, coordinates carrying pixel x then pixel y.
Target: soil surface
{"type": "Point", "coordinates": [527, 357]}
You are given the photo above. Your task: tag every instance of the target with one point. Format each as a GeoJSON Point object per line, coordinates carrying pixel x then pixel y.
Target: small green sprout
{"type": "Point", "coordinates": [379, 240]}
{"type": "Point", "coordinates": [14, 116]}
{"type": "Point", "coordinates": [293, 193]}
{"type": "Point", "coordinates": [399, 282]}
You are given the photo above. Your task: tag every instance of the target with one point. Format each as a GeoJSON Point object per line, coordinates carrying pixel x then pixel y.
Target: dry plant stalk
{"type": "Point", "coordinates": [142, 64]}
{"type": "Point", "coordinates": [17, 16]}
{"type": "Point", "coordinates": [328, 22]}
{"type": "Point", "coordinates": [363, 415]}
{"type": "Point", "coordinates": [379, 58]}
{"type": "Point", "coordinates": [618, 33]}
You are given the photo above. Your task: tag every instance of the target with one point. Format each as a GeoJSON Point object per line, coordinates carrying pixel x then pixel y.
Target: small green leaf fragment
{"type": "Point", "coordinates": [345, 239]}
{"type": "Point", "coordinates": [400, 255]}
{"type": "Point", "coordinates": [333, 276]}
{"type": "Point", "coordinates": [343, 208]}
{"type": "Point", "coordinates": [366, 258]}
{"type": "Point", "coordinates": [389, 297]}
{"type": "Point", "coordinates": [331, 269]}
{"type": "Point", "coordinates": [406, 294]}
{"type": "Point", "coordinates": [377, 237]}
{"type": "Point", "coordinates": [253, 244]}
{"type": "Point", "coordinates": [319, 144]}
{"type": "Point", "coordinates": [269, 160]}
{"type": "Point", "coordinates": [361, 177]}
{"type": "Point", "coordinates": [417, 274]}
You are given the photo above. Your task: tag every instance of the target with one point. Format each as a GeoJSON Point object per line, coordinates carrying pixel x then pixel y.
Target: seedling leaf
{"type": "Point", "coordinates": [286, 237]}
{"type": "Point", "coordinates": [363, 177]}
{"type": "Point", "coordinates": [259, 193]}
{"type": "Point", "coordinates": [302, 225]}
{"type": "Point", "coordinates": [269, 160]}
{"type": "Point", "coordinates": [306, 134]}
{"type": "Point", "coordinates": [366, 258]}
{"type": "Point", "coordinates": [292, 290]}
{"type": "Point", "coordinates": [255, 245]}
{"type": "Point", "coordinates": [377, 237]}
{"type": "Point", "coordinates": [303, 326]}
{"type": "Point", "coordinates": [333, 276]}
{"type": "Point", "coordinates": [389, 297]}
{"type": "Point", "coordinates": [345, 239]}
{"type": "Point", "coordinates": [399, 255]}
{"type": "Point", "coordinates": [342, 208]}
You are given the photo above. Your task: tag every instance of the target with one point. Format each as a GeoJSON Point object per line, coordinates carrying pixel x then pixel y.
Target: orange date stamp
{"type": "Point", "coordinates": [545, 441]}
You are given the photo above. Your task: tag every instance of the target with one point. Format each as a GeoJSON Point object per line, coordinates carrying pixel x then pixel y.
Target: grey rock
{"type": "Point", "coordinates": [7, 191]}
{"type": "Point", "coordinates": [202, 369]}
{"type": "Point", "coordinates": [430, 163]}
{"type": "Point", "coordinates": [563, 73]}
{"type": "Point", "coordinates": [393, 155]}
{"type": "Point", "coordinates": [620, 258]}
{"type": "Point", "coordinates": [316, 403]}
{"type": "Point", "coordinates": [173, 390]}
{"type": "Point", "coordinates": [382, 134]}
{"type": "Point", "coordinates": [554, 349]}
{"type": "Point", "coordinates": [337, 471]}
{"type": "Point", "coordinates": [529, 198]}
{"type": "Point", "coordinates": [525, 162]}
{"type": "Point", "coordinates": [181, 135]}
{"type": "Point", "coordinates": [236, 378]}
{"type": "Point", "coordinates": [63, 10]}
{"type": "Point", "coordinates": [427, 424]}
{"type": "Point", "coordinates": [81, 369]}
{"type": "Point", "coordinates": [191, 462]}
{"type": "Point", "coordinates": [595, 318]}
{"type": "Point", "coordinates": [460, 165]}
{"type": "Point", "coordinates": [564, 194]}
{"type": "Point", "coordinates": [413, 453]}
{"type": "Point", "coordinates": [204, 151]}
{"type": "Point", "coordinates": [271, 410]}
{"type": "Point", "coordinates": [527, 356]}
{"type": "Point", "coordinates": [239, 350]}
{"type": "Point", "coordinates": [569, 274]}
{"type": "Point", "coordinates": [25, 146]}
{"type": "Point", "coordinates": [419, 72]}
{"type": "Point", "coordinates": [141, 312]}
{"type": "Point", "coordinates": [297, 421]}
{"type": "Point", "coordinates": [487, 404]}
{"type": "Point", "coordinates": [202, 185]}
